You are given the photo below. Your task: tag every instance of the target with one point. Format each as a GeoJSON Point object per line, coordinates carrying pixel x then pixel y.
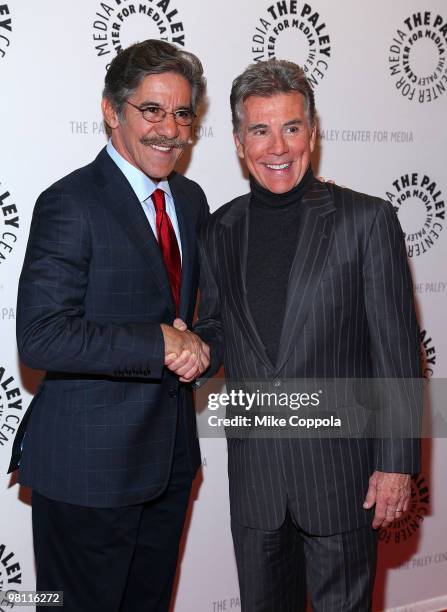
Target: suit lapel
{"type": "Point", "coordinates": [314, 241]}
{"type": "Point", "coordinates": [235, 245]}
{"type": "Point", "coordinates": [123, 203]}
{"type": "Point", "coordinates": [188, 245]}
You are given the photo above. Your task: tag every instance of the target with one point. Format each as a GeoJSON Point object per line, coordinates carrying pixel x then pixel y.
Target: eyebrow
{"type": "Point", "coordinates": [150, 103]}
{"type": "Point", "coordinates": [158, 105]}
{"type": "Point", "coordinates": [294, 122]}
{"type": "Point", "coordinates": [258, 126]}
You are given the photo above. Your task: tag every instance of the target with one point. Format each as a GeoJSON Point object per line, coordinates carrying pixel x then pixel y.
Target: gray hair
{"type": "Point", "coordinates": [268, 79]}
{"type": "Point", "coordinates": [140, 60]}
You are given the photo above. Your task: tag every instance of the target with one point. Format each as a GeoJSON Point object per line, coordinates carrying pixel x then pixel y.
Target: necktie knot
{"type": "Point", "coordinates": [158, 198]}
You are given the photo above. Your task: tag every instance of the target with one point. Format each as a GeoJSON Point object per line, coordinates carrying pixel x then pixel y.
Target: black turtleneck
{"type": "Point", "coordinates": [272, 241]}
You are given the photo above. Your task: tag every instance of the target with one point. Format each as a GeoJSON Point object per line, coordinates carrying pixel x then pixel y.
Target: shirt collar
{"type": "Point", "coordinates": [142, 185]}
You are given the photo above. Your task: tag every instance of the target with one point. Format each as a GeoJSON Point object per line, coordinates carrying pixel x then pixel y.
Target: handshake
{"type": "Point", "coordinates": [185, 353]}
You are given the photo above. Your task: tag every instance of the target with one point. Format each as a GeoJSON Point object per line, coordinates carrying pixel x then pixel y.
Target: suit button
{"type": "Point", "coordinates": [172, 392]}
{"type": "Point", "coordinates": [277, 382]}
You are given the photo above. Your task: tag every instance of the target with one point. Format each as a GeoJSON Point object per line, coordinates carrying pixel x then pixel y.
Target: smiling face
{"type": "Point", "coordinates": [154, 148]}
{"type": "Point", "coordinates": [275, 140]}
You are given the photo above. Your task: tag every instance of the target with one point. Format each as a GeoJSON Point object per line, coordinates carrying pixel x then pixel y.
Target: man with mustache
{"type": "Point", "coordinates": [109, 443]}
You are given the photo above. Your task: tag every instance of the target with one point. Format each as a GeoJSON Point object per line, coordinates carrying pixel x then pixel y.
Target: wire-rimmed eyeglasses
{"type": "Point", "coordinates": [155, 114]}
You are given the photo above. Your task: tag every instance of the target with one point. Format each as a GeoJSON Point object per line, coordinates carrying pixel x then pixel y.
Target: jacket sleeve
{"type": "Point", "coordinates": [394, 345]}
{"type": "Point", "coordinates": [52, 331]}
{"type": "Point", "coordinates": [209, 324]}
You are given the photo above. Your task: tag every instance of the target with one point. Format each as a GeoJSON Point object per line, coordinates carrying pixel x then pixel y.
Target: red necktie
{"type": "Point", "coordinates": [169, 246]}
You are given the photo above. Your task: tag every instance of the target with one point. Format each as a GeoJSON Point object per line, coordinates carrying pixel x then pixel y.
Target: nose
{"type": "Point", "coordinates": [168, 127]}
{"type": "Point", "coordinates": [278, 144]}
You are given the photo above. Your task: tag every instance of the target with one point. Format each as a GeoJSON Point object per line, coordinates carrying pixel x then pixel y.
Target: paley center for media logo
{"type": "Point", "coordinates": [10, 571]}
{"type": "Point", "coordinates": [11, 409]}
{"type": "Point", "coordinates": [9, 224]}
{"type": "Point", "coordinates": [293, 30]}
{"type": "Point", "coordinates": [5, 29]}
{"type": "Point", "coordinates": [417, 57]}
{"type": "Point", "coordinates": [428, 354]}
{"type": "Point", "coordinates": [118, 24]}
{"type": "Point", "coordinates": [419, 203]}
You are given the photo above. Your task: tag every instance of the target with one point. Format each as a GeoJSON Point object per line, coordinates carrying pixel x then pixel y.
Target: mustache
{"type": "Point", "coordinates": [161, 141]}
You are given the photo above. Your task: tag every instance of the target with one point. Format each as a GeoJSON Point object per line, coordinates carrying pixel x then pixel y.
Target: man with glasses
{"type": "Point", "coordinates": [109, 444]}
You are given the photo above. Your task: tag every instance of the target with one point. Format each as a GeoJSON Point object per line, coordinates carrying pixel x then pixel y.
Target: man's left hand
{"type": "Point", "coordinates": [390, 493]}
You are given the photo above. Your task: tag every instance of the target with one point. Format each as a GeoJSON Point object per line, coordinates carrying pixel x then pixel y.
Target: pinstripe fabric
{"type": "Point", "coordinates": [274, 568]}
{"type": "Point", "coordinates": [349, 314]}
{"type": "Point", "coordinates": [92, 294]}
{"type": "Point", "coordinates": [340, 570]}
{"type": "Point", "coordinates": [270, 567]}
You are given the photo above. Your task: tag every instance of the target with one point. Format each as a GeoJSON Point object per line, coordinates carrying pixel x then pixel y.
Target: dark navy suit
{"type": "Point", "coordinates": [103, 427]}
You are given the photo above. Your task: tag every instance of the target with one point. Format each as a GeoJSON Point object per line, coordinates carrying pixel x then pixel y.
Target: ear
{"type": "Point", "coordinates": [313, 138]}
{"type": "Point", "coordinates": [109, 113]}
{"type": "Point", "coordinates": [239, 146]}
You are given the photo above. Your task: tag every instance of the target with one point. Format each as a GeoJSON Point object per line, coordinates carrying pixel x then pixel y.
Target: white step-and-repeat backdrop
{"type": "Point", "coordinates": [379, 70]}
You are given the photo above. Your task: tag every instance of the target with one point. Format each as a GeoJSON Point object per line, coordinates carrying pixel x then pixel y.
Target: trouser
{"type": "Point", "coordinates": [274, 567]}
{"type": "Point", "coordinates": [112, 559]}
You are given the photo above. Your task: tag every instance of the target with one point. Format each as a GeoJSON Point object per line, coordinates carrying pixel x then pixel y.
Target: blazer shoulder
{"type": "Point", "coordinates": [230, 210]}
{"type": "Point", "coordinates": [182, 182]}
{"type": "Point", "coordinates": [225, 215]}
{"type": "Point", "coordinates": [351, 201]}
{"type": "Point", "coordinates": [76, 184]}
{"type": "Point", "coordinates": [192, 198]}
{"type": "Point", "coordinates": [194, 194]}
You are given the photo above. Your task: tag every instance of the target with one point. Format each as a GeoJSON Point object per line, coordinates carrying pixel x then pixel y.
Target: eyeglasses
{"type": "Point", "coordinates": [155, 114]}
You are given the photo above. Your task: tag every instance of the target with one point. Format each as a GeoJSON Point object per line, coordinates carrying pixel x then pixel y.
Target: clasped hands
{"type": "Point", "coordinates": [185, 353]}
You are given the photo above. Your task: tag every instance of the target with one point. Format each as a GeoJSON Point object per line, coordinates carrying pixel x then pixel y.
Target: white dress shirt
{"type": "Point", "coordinates": [144, 187]}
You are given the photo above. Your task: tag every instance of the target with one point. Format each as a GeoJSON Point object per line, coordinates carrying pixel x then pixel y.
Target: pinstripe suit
{"type": "Point", "coordinates": [349, 314]}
